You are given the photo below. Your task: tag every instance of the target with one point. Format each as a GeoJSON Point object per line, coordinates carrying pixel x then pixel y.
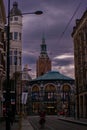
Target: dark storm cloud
{"type": "Point", "coordinates": [53, 22]}
{"type": "Point", "coordinates": [63, 62]}
{"type": "Point", "coordinates": [30, 58]}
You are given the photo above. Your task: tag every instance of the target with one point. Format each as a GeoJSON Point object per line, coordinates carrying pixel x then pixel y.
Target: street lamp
{"type": "Point", "coordinates": [8, 95]}
{"type": "Point", "coordinates": [36, 12]}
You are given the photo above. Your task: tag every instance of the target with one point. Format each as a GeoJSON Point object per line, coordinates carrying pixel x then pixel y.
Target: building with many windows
{"type": "Point", "coordinates": [15, 54]}
{"type": "Point", "coordinates": [22, 84]}
{"type": "Point", "coordinates": [52, 91]}
{"type": "Point", "coordinates": [15, 39]}
{"type": "Point", "coordinates": [79, 35]}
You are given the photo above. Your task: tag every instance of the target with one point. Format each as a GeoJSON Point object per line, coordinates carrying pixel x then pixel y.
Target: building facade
{"type": "Point", "coordinates": [15, 55]}
{"type": "Point", "coordinates": [43, 64]}
{"type": "Point", "coordinates": [15, 39]}
{"type": "Point", "coordinates": [79, 35]}
{"type": "Point", "coordinates": [22, 84]}
{"type": "Point", "coordinates": [53, 92]}
{"type": "Point", "coordinates": [2, 52]}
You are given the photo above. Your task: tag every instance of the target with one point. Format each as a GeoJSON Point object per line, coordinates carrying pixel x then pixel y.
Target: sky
{"type": "Point", "coordinates": [56, 23]}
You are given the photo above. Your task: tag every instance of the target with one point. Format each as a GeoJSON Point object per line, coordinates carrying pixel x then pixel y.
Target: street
{"type": "Point", "coordinates": [52, 123]}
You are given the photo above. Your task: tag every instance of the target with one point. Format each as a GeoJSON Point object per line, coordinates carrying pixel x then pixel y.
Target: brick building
{"type": "Point", "coordinates": [79, 35]}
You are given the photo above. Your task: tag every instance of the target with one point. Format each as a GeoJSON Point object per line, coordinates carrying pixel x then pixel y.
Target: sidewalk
{"type": "Point", "coordinates": [26, 125]}
{"type": "Point", "coordinates": [15, 126]}
{"type": "Point", "coordinates": [81, 121]}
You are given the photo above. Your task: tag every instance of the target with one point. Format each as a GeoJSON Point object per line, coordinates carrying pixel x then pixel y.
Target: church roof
{"type": "Point", "coordinates": [15, 11]}
{"type": "Point", "coordinates": [53, 75]}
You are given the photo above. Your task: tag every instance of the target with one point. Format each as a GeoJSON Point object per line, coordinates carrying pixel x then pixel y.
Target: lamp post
{"type": "Point", "coordinates": [42, 96]}
{"type": "Point", "coordinates": [8, 95]}
{"type": "Point", "coordinates": [15, 85]}
{"type": "Point", "coordinates": [8, 99]}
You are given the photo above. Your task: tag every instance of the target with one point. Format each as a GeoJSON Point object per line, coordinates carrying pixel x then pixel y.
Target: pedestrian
{"type": "Point", "coordinates": [42, 118]}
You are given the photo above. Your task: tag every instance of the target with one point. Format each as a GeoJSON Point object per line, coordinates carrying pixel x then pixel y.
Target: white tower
{"type": "Point", "coordinates": [15, 39]}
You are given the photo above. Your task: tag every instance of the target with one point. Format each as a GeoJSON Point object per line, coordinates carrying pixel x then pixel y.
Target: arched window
{"type": "Point", "coordinates": [50, 91]}
{"type": "Point", "coordinates": [35, 93]}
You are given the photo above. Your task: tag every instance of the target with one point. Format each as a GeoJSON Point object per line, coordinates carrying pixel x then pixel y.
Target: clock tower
{"type": "Point", "coordinates": [43, 64]}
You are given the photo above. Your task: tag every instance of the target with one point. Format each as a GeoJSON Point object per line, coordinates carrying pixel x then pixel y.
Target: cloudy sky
{"type": "Point", "coordinates": [56, 23]}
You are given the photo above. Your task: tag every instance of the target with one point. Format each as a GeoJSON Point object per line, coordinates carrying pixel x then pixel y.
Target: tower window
{"type": "Point", "coordinates": [15, 18]}
{"type": "Point", "coordinates": [10, 52]}
{"type": "Point", "coordinates": [15, 52]}
{"type": "Point", "coordinates": [15, 60]}
{"type": "Point", "coordinates": [15, 35]}
{"type": "Point", "coordinates": [19, 60]}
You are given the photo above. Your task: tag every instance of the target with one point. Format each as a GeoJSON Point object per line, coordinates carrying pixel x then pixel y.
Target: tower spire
{"type": "Point", "coordinates": [43, 64]}
{"type": "Point", "coordinates": [43, 39]}
{"type": "Point", "coordinates": [43, 47]}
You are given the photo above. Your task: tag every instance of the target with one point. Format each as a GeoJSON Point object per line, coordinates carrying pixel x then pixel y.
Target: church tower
{"type": "Point", "coordinates": [43, 64]}
{"type": "Point", "coordinates": [15, 39]}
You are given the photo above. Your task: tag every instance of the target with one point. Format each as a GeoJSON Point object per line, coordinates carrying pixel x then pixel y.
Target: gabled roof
{"type": "Point", "coordinates": [53, 75]}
